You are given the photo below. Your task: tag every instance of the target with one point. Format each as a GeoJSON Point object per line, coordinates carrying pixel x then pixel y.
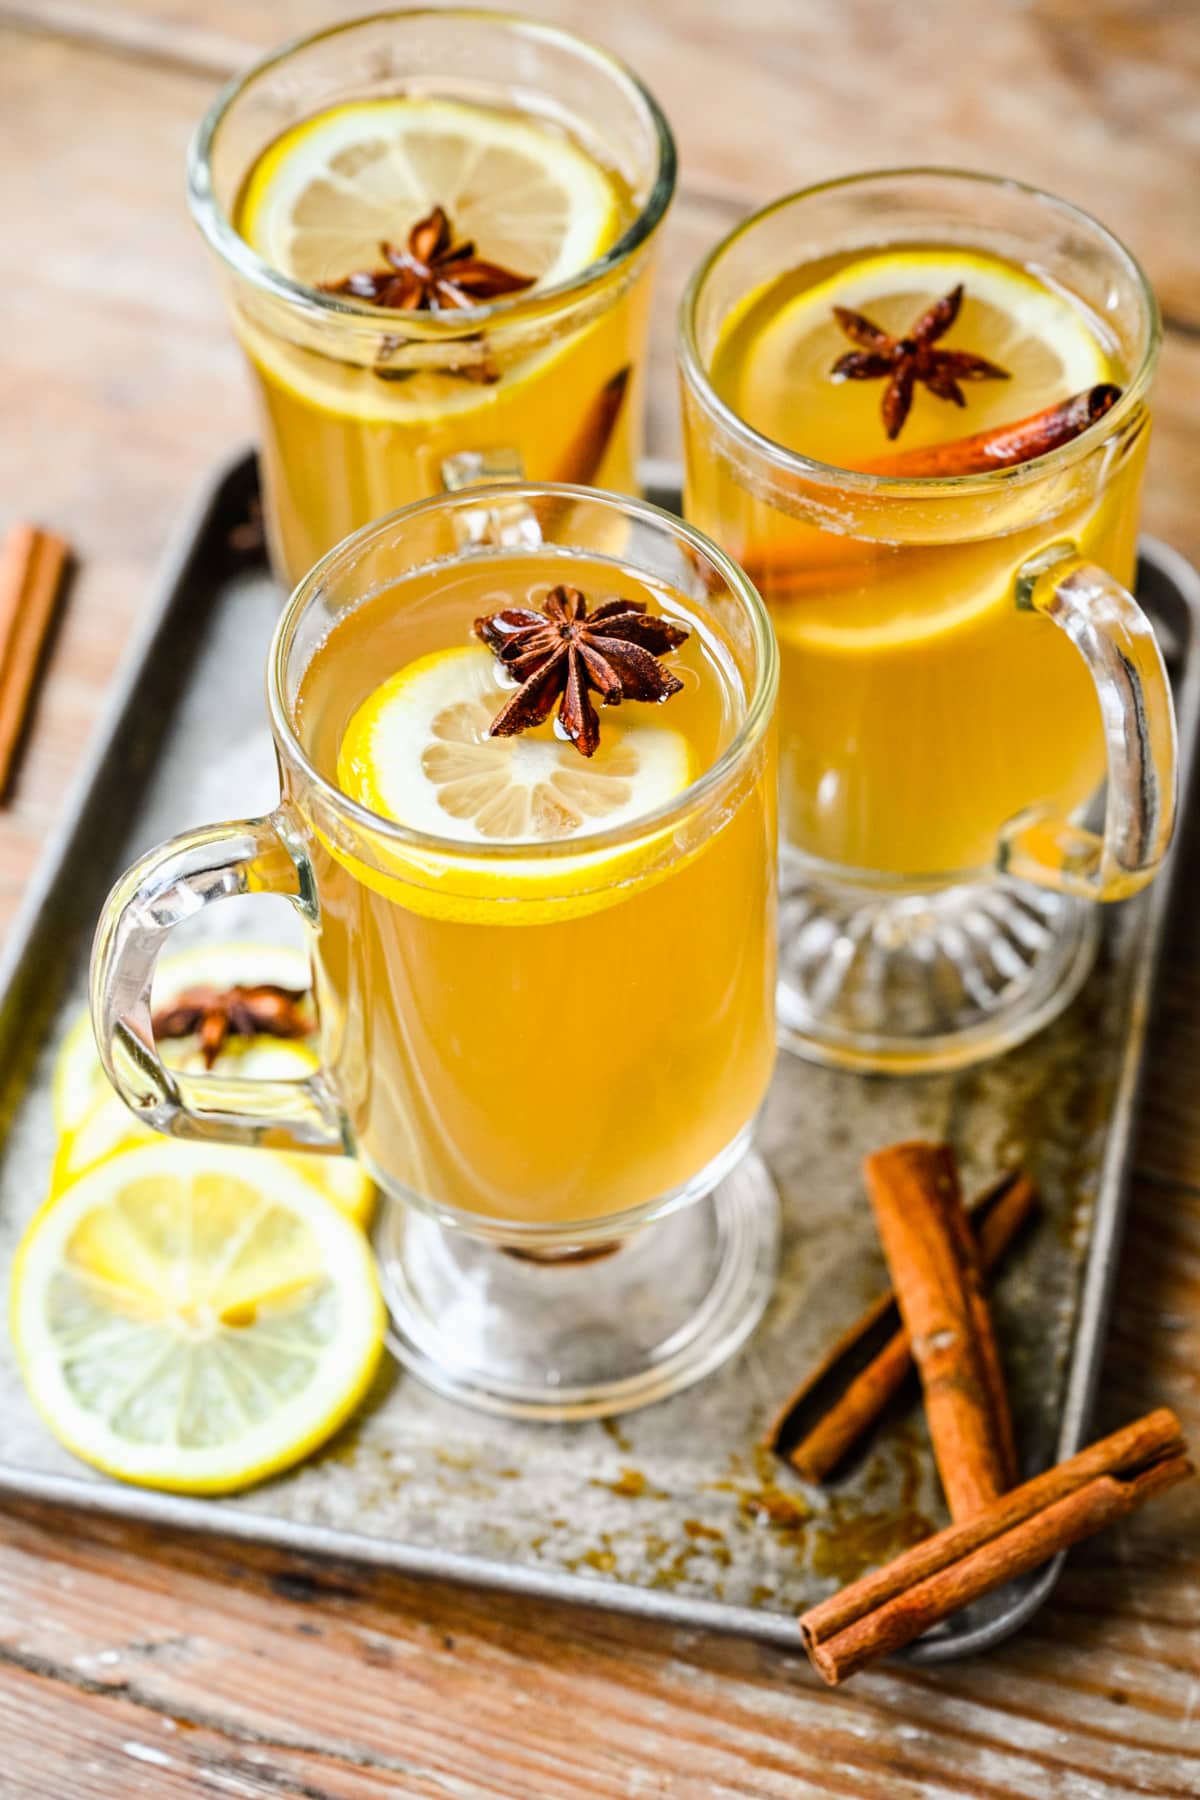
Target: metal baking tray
{"type": "Point", "coordinates": [672, 1513]}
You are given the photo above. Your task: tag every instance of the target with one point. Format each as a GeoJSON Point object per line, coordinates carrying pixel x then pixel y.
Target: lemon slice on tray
{"type": "Point", "coordinates": [328, 192]}
{"type": "Point", "coordinates": [93, 1121]}
{"type": "Point", "coordinates": [194, 1317]}
{"type": "Point", "coordinates": [417, 751]}
{"type": "Point", "coordinates": [78, 1073]}
{"type": "Point", "coordinates": [1038, 335]}
{"type": "Point", "coordinates": [108, 1128]}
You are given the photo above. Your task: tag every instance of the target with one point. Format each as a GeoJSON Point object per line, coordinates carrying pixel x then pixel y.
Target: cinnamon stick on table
{"type": "Point", "coordinates": [936, 1272]}
{"type": "Point", "coordinates": [833, 1408]}
{"type": "Point", "coordinates": [31, 570]}
{"type": "Point", "coordinates": [1016, 1533]}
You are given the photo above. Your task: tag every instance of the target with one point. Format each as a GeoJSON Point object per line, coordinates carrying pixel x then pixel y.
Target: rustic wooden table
{"type": "Point", "coordinates": [133, 1662]}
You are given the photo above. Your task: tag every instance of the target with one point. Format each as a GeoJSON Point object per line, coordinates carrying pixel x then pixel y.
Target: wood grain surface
{"type": "Point", "coordinates": [138, 1663]}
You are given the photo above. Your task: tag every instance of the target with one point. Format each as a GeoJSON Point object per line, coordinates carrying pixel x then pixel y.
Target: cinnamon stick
{"type": "Point", "coordinates": [1004, 446]}
{"type": "Point", "coordinates": [1018, 1532]}
{"type": "Point", "coordinates": [827, 563]}
{"type": "Point", "coordinates": [585, 454]}
{"type": "Point", "coordinates": [32, 564]}
{"type": "Point", "coordinates": [832, 1409]}
{"type": "Point", "coordinates": [936, 1273]}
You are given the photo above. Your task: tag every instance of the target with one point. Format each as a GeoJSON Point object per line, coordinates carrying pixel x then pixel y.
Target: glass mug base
{"type": "Point", "coordinates": [907, 983]}
{"type": "Point", "coordinates": [583, 1333]}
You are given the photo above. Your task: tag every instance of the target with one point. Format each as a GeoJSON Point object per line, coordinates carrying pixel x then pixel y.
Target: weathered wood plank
{"type": "Point", "coordinates": [100, 1746]}
{"type": "Point", "coordinates": [1094, 101]}
{"type": "Point", "coordinates": [124, 382]}
{"type": "Point", "coordinates": [509, 1699]}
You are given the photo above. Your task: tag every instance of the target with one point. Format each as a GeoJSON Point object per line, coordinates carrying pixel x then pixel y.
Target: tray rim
{"type": "Point", "coordinates": [215, 1518]}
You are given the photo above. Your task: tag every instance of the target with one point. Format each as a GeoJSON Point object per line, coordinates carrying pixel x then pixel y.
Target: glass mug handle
{"type": "Point", "coordinates": [170, 884]}
{"type": "Point", "coordinates": [508, 523]}
{"type": "Point", "coordinates": [1116, 641]}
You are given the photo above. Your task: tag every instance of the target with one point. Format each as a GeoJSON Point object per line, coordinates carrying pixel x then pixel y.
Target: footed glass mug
{"type": "Point", "coordinates": [366, 407]}
{"type": "Point", "coordinates": [962, 662]}
{"type": "Point", "coordinates": [548, 1055]}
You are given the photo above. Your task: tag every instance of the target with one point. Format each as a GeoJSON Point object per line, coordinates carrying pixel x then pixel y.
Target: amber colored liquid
{"type": "Point", "coordinates": [920, 710]}
{"type": "Point", "coordinates": [343, 443]}
{"type": "Point", "coordinates": [558, 1045]}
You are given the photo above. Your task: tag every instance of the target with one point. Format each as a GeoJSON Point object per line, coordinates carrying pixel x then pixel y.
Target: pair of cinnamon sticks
{"type": "Point", "coordinates": [32, 566]}
{"type": "Point", "coordinates": [939, 1319]}
{"type": "Point", "coordinates": [837, 1404]}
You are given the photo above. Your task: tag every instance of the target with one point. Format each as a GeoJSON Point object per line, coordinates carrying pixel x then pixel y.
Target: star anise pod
{"type": "Point", "coordinates": [567, 650]}
{"type": "Point", "coordinates": [215, 1015]}
{"type": "Point", "coordinates": [907, 360]}
{"type": "Point", "coordinates": [431, 273]}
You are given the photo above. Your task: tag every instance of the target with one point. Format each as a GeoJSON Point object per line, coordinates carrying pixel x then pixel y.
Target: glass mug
{"type": "Point", "coordinates": [365, 408]}
{"type": "Point", "coordinates": [487, 1009]}
{"type": "Point", "coordinates": [962, 662]}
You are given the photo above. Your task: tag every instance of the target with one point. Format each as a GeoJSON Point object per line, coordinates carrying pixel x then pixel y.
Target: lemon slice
{"type": "Point", "coordinates": [906, 624]}
{"type": "Point", "coordinates": [328, 192]}
{"type": "Point", "coordinates": [108, 1128]}
{"type": "Point", "coordinates": [779, 381]}
{"type": "Point", "coordinates": [194, 1319]}
{"type": "Point", "coordinates": [418, 751]}
{"type": "Point", "coordinates": [78, 1073]}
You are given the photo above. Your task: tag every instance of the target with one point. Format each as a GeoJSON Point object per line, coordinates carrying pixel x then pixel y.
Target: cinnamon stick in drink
{"type": "Point", "coordinates": [1004, 446]}
{"type": "Point", "coordinates": [936, 1272]}
{"type": "Point", "coordinates": [837, 1404]}
{"type": "Point", "coordinates": [825, 563]}
{"type": "Point", "coordinates": [1018, 1532]}
{"type": "Point", "coordinates": [584, 455]}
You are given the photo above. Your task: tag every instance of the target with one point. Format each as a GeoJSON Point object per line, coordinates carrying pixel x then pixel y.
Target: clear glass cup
{"type": "Point", "coordinates": [548, 1057]}
{"type": "Point", "coordinates": [364, 409]}
{"type": "Point", "coordinates": [962, 663]}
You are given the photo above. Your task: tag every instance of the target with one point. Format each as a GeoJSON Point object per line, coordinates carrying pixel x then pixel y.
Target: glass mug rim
{"type": "Point", "coordinates": [860, 481]}
{"type": "Point", "coordinates": [759, 707]}
{"type": "Point", "coordinates": [233, 249]}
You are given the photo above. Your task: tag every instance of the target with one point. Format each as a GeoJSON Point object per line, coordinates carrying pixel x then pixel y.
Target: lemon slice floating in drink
{"type": "Point", "coordinates": [194, 1317]}
{"type": "Point", "coordinates": [323, 199]}
{"type": "Point", "coordinates": [332, 189]}
{"type": "Point", "coordinates": [417, 751]}
{"type": "Point", "coordinates": [776, 374]}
